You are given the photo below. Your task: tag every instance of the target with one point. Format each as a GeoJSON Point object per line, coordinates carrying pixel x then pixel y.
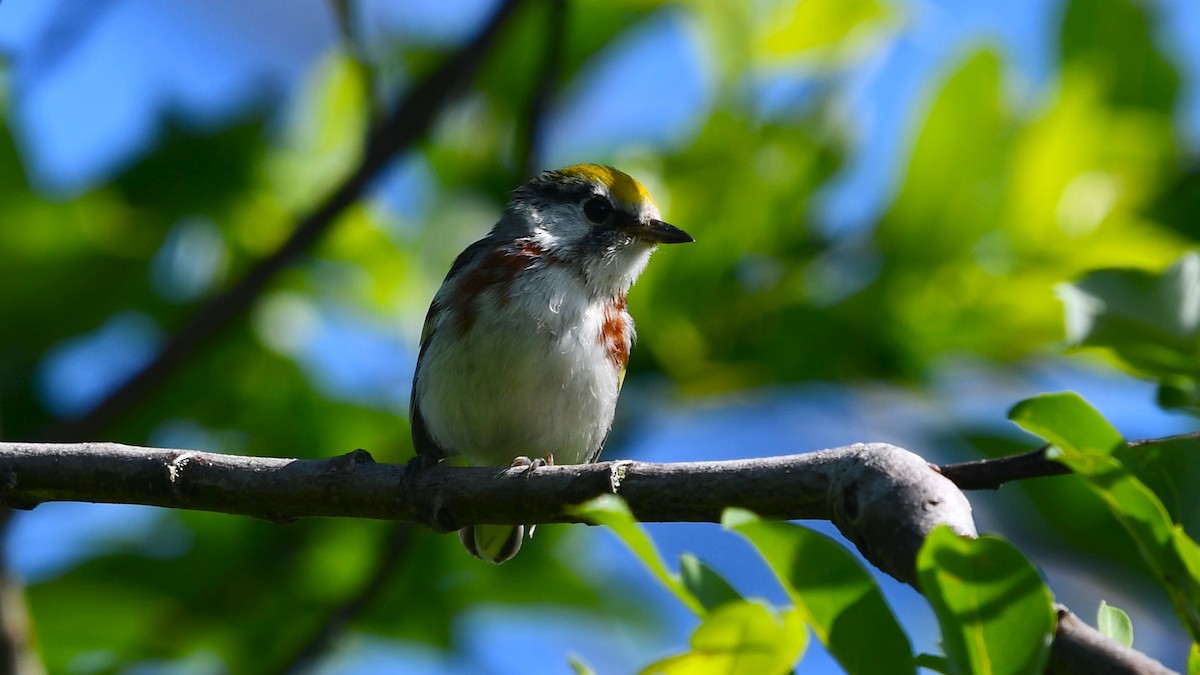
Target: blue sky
{"type": "Point", "coordinates": [137, 62]}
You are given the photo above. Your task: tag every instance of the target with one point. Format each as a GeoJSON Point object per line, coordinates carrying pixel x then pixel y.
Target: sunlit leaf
{"type": "Point", "coordinates": [996, 614]}
{"type": "Point", "coordinates": [709, 587]}
{"type": "Point", "coordinates": [1084, 442]}
{"type": "Point", "coordinates": [832, 591]}
{"type": "Point", "coordinates": [612, 511]}
{"type": "Point", "coordinates": [1067, 420]}
{"type": "Point", "coordinates": [739, 638]}
{"type": "Point", "coordinates": [1114, 624]}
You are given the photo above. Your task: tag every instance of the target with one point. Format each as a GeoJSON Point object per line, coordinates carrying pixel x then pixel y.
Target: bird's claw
{"type": "Point", "coordinates": [528, 466]}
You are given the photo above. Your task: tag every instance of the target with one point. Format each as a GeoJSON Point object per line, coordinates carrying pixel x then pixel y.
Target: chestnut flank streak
{"type": "Point", "coordinates": [496, 271]}
{"type": "Point", "coordinates": [614, 333]}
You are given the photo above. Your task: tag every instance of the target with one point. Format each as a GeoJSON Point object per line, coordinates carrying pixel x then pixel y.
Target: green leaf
{"type": "Point", "coordinates": [1193, 667]}
{"type": "Point", "coordinates": [1149, 321]}
{"type": "Point", "coordinates": [612, 511]}
{"type": "Point", "coordinates": [996, 614]}
{"type": "Point", "coordinates": [1189, 554]}
{"type": "Point", "coordinates": [703, 582]}
{"type": "Point", "coordinates": [740, 637]}
{"type": "Point", "coordinates": [834, 594]}
{"type": "Point", "coordinates": [1053, 416]}
{"type": "Point", "coordinates": [1171, 468]}
{"type": "Point", "coordinates": [1115, 624]}
{"type": "Point", "coordinates": [1085, 442]}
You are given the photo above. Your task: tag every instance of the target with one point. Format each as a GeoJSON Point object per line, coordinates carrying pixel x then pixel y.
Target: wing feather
{"type": "Point", "coordinates": [423, 443]}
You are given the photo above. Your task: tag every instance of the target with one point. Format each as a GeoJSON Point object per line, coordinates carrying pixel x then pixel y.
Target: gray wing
{"type": "Point", "coordinates": [423, 443]}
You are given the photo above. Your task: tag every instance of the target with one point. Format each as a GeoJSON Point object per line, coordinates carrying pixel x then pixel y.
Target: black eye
{"type": "Point", "coordinates": [597, 209]}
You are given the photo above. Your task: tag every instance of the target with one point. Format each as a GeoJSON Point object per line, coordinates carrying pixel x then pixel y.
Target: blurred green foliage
{"type": "Point", "coordinates": [994, 206]}
{"type": "Point", "coordinates": [1148, 321]}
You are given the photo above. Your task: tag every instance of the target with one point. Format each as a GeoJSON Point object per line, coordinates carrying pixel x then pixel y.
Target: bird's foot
{"type": "Point", "coordinates": [528, 466]}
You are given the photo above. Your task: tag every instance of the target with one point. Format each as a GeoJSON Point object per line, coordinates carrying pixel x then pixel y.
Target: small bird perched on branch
{"type": "Point", "coordinates": [525, 345]}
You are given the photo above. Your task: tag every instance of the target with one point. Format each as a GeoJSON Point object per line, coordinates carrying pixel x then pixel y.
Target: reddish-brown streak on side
{"type": "Point", "coordinates": [614, 333]}
{"type": "Point", "coordinates": [496, 271]}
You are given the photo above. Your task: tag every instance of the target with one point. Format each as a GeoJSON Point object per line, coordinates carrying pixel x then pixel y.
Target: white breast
{"type": "Point", "coordinates": [530, 376]}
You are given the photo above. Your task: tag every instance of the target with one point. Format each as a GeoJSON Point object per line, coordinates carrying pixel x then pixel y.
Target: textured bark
{"type": "Point", "coordinates": [1079, 648]}
{"type": "Point", "coordinates": [883, 498]}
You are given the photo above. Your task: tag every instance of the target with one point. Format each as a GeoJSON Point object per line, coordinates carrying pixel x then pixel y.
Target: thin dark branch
{"type": "Point", "coordinates": [990, 474]}
{"type": "Point", "coordinates": [530, 156]}
{"type": "Point", "coordinates": [1195, 435]}
{"type": "Point", "coordinates": [395, 548]}
{"type": "Point", "coordinates": [412, 119]}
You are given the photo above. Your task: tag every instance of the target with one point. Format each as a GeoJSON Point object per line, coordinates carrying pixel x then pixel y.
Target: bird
{"type": "Point", "coordinates": [525, 345]}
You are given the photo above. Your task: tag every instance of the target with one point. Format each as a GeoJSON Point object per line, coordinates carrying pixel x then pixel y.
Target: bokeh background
{"type": "Point", "coordinates": [885, 195]}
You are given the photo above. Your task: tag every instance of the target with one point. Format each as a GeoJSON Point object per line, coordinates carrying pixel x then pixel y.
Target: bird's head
{"type": "Point", "coordinates": [595, 218]}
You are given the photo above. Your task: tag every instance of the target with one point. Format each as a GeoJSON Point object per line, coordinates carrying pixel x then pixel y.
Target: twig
{"type": "Point", "coordinates": [412, 119]}
{"type": "Point", "coordinates": [990, 474]}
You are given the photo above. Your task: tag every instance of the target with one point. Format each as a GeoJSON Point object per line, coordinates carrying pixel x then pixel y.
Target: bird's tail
{"type": "Point", "coordinates": [493, 543]}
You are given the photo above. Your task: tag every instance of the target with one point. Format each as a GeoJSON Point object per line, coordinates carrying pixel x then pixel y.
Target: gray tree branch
{"type": "Point", "coordinates": [861, 487]}
{"type": "Point", "coordinates": [1079, 648]}
{"type": "Point", "coordinates": [882, 498]}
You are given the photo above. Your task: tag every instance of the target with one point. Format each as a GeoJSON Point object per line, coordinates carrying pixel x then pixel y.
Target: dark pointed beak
{"type": "Point", "coordinates": [660, 233]}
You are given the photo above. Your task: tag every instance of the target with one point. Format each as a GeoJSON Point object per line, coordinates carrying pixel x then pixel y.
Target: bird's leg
{"type": "Point", "coordinates": [529, 466]}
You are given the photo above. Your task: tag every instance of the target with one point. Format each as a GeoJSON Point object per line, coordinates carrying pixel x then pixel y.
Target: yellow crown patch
{"type": "Point", "coordinates": [620, 184]}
